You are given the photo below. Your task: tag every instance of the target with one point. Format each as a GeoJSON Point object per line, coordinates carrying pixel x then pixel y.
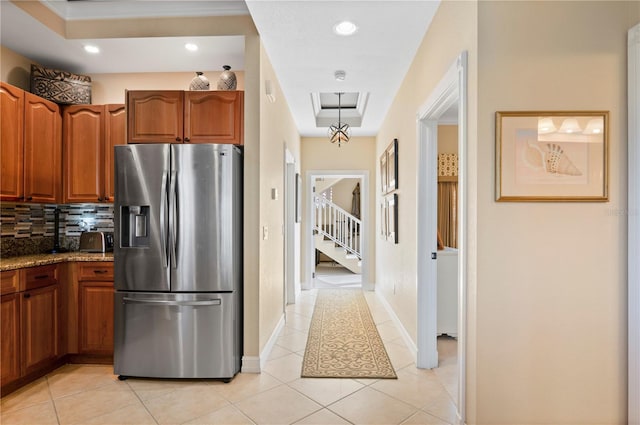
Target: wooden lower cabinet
{"type": "Point", "coordinates": [95, 308]}
{"type": "Point", "coordinates": [10, 334]}
{"type": "Point", "coordinates": [40, 318]}
{"type": "Point", "coordinates": [30, 316]}
{"type": "Point", "coordinates": [95, 317]}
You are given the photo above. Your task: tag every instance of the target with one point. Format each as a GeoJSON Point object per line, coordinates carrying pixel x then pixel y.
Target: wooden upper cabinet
{"type": "Point", "coordinates": [83, 133]}
{"type": "Point", "coordinates": [115, 134]}
{"type": "Point", "coordinates": [11, 142]}
{"type": "Point", "coordinates": [42, 150]}
{"type": "Point", "coordinates": [169, 116]}
{"type": "Point", "coordinates": [89, 134]}
{"type": "Point", "coordinates": [154, 116]}
{"type": "Point", "coordinates": [214, 117]}
{"type": "Point", "coordinates": [30, 147]}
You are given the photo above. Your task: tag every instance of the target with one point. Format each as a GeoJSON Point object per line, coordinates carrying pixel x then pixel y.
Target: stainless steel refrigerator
{"type": "Point", "coordinates": [178, 261]}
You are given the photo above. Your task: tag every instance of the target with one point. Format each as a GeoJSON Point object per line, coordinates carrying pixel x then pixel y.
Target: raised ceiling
{"type": "Point", "coordinates": [298, 37]}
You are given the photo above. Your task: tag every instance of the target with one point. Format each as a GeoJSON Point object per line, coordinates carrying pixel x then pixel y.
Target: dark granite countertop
{"type": "Point", "coordinates": [12, 263]}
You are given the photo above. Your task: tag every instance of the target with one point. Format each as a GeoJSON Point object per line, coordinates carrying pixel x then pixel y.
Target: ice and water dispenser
{"type": "Point", "coordinates": [134, 227]}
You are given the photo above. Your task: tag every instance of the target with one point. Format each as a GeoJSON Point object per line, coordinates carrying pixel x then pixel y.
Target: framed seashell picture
{"type": "Point", "coordinates": [552, 156]}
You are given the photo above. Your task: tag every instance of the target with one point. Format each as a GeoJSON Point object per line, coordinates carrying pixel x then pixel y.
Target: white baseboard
{"type": "Point", "coordinates": [405, 335]}
{"type": "Point", "coordinates": [250, 364]}
{"type": "Point", "coordinates": [253, 364]}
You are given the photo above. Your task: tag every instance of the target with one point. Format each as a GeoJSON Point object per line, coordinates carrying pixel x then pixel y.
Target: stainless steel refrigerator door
{"type": "Point", "coordinates": [205, 218]}
{"type": "Point", "coordinates": [176, 335]}
{"type": "Point", "coordinates": [141, 254]}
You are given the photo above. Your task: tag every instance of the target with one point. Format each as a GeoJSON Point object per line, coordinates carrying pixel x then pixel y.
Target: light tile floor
{"type": "Point", "coordinates": [91, 394]}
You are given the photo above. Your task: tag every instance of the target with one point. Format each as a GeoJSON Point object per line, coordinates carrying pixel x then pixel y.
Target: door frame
{"type": "Point", "coordinates": [310, 178]}
{"type": "Point", "coordinates": [290, 289]}
{"type": "Point", "coordinates": [451, 89]}
{"type": "Point", "coordinates": [633, 54]}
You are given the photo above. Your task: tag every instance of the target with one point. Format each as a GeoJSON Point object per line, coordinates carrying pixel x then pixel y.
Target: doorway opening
{"type": "Point", "coordinates": [337, 220]}
{"type": "Point", "coordinates": [447, 104]}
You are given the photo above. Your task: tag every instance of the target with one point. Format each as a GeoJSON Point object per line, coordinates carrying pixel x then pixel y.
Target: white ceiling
{"type": "Point", "coordinates": [297, 34]}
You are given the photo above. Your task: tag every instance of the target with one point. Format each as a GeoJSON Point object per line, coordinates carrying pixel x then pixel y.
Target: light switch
{"type": "Point", "coordinates": [274, 194]}
{"type": "Point", "coordinates": [265, 232]}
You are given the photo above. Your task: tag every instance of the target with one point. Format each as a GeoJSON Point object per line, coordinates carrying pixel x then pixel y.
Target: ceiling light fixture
{"type": "Point", "coordinates": [91, 49]}
{"type": "Point", "coordinates": [345, 28]}
{"type": "Point", "coordinates": [191, 47]}
{"type": "Point", "coordinates": [340, 75]}
{"type": "Point", "coordinates": [340, 132]}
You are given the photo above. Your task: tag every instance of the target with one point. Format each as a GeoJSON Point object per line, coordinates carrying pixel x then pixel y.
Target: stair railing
{"type": "Point", "coordinates": [338, 225]}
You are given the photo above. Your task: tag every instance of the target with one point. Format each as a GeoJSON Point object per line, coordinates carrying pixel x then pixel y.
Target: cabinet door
{"type": "Point", "coordinates": [154, 116]}
{"type": "Point", "coordinates": [114, 134]}
{"type": "Point", "coordinates": [42, 150]}
{"type": "Point", "coordinates": [10, 338]}
{"type": "Point", "coordinates": [83, 134]}
{"type": "Point", "coordinates": [214, 117]}
{"type": "Point", "coordinates": [95, 319]}
{"type": "Point", "coordinates": [11, 142]}
{"type": "Point", "coordinates": [40, 315]}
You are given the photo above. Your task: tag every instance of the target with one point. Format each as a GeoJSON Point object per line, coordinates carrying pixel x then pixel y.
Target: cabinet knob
{"type": "Point", "coordinates": [100, 199]}
{"type": "Point", "coordinates": [177, 139]}
{"type": "Point", "coordinates": [186, 140]}
{"type": "Point", "coordinates": [27, 295]}
{"type": "Point", "coordinates": [29, 198]}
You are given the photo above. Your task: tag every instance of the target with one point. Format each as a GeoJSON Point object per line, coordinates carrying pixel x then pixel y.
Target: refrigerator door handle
{"type": "Point", "coordinates": [215, 301]}
{"type": "Point", "coordinates": [163, 219]}
{"type": "Point", "coordinates": [173, 221]}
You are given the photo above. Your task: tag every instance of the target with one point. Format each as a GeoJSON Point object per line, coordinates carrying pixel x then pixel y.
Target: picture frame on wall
{"type": "Point", "coordinates": [383, 173]}
{"type": "Point", "coordinates": [391, 202]}
{"type": "Point", "coordinates": [392, 166]}
{"type": "Point", "coordinates": [383, 219]}
{"type": "Point", "coordinates": [547, 156]}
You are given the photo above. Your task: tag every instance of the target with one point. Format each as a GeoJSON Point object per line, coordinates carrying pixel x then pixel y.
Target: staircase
{"type": "Point", "coordinates": [337, 234]}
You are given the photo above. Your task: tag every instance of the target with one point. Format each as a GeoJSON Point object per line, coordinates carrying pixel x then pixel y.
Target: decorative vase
{"type": "Point", "coordinates": [199, 82]}
{"type": "Point", "coordinates": [227, 79]}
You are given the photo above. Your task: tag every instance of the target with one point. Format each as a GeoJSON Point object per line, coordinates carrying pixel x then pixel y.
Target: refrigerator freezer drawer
{"type": "Point", "coordinates": [176, 335]}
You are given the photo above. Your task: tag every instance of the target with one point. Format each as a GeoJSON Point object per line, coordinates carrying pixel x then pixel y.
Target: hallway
{"type": "Point", "coordinates": [81, 394]}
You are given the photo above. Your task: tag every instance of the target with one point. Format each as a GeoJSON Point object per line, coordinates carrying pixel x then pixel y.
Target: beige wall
{"type": "Point", "coordinates": [447, 139]}
{"type": "Point", "coordinates": [277, 132]}
{"type": "Point", "coordinates": [551, 308]}
{"type": "Point", "coordinates": [110, 88]}
{"type": "Point", "coordinates": [452, 31]}
{"type": "Point", "coordinates": [359, 154]}
{"type": "Point", "coordinates": [15, 69]}
{"type": "Point", "coordinates": [343, 193]}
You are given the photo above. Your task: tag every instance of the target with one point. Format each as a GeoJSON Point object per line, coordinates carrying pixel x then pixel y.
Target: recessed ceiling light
{"type": "Point", "coordinates": [345, 28]}
{"type": "Point", "coordinates": [91, 49]}
{"type": "Point", "coordinates": [191, 47]}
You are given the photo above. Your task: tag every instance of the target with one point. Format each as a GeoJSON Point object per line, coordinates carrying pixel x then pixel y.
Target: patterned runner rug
{"type": "Point", "coordinates": [343, 341]}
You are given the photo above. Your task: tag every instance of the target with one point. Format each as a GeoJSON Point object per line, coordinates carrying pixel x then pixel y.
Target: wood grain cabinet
{"type": "Point", "coordinates": [30, 147]}
{"type": "Point", "coordinates": [174, 116]}
{"type": "Point", "coordinates": [89, 134]}
{"type": "Point", "coordinates": [95, 308]}
{"type": "Point", "coordinates": [10, 334]}
{"type": "Point", "coordinates": [10, 326]}
{"type": "Point", "coordinates": [30, 322]}
{"type": "Point", "coordinates": [40, 310]}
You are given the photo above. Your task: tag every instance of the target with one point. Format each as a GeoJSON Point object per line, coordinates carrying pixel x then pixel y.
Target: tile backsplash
{"type": "Point", "coordinates": [29, 228]}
